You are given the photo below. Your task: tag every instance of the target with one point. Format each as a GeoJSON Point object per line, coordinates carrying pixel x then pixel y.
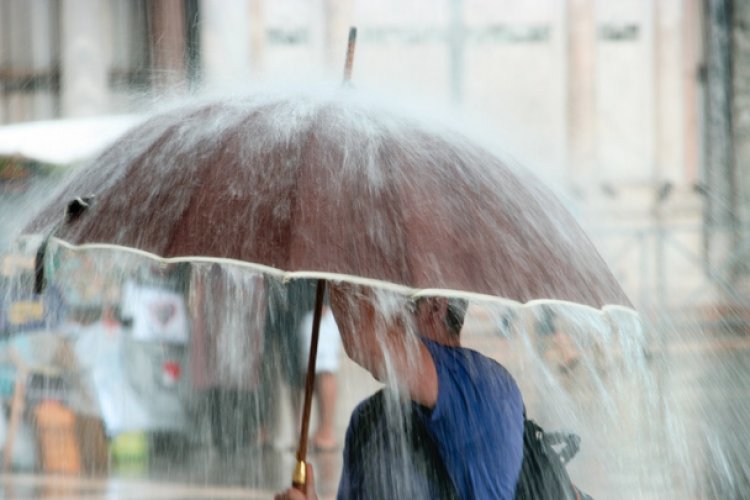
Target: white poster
{"type": "Point", "coordinates": [157, 314]}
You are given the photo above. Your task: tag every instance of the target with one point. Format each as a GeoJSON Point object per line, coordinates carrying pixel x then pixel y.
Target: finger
{"type": "Point", "coordinates": [290, 494]}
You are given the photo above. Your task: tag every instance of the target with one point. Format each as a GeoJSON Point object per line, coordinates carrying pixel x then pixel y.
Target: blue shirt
{"type": "Point", "coordinates": [469, 444]}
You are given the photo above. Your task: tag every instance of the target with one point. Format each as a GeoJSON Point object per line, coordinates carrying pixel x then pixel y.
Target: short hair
{"type": "Point", "coordinates": [454, 317]}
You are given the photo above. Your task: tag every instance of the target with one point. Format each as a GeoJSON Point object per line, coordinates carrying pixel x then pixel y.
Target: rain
{"type": "Point", "coordinates": [188, 188]}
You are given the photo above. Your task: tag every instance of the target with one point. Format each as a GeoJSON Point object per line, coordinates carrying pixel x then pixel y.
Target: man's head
{"type": "Point", "coordinates": [440, 318]}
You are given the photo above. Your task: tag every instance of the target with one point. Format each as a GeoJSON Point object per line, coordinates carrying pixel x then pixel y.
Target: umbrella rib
{"type": "Point", "coordinates": [286, 276]}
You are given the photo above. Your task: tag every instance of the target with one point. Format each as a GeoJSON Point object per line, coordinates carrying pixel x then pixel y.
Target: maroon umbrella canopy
{"type": "Point", "coordinates": [334, 184]}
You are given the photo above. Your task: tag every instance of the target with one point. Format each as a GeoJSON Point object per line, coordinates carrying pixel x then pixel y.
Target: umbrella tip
{"type": "Point", "coordinates": [349, 63]}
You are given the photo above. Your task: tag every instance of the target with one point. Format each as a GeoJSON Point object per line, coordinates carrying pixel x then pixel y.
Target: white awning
{"type": "Point", "coordinates": [64, 141]}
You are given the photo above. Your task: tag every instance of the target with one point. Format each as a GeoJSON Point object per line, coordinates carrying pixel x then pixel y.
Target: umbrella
{"type": "Point", "coordinates": [331, 185]}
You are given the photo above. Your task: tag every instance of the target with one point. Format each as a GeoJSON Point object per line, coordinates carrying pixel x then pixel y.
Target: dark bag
{"type": "Point", "coordinates": [543, 475]}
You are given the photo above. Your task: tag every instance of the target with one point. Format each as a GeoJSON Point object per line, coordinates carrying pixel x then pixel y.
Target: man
{"type": "Point", "coordinates": [465, 410]}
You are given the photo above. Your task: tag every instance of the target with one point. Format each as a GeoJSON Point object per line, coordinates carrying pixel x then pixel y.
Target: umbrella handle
{"type": "Point", "coordinates": [298, 477]}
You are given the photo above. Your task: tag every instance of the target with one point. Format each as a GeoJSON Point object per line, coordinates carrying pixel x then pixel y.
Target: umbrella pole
{"type": "Point", "coordinates": [300, 470]}
{"type": "Point", "coordinates": [299, 475]}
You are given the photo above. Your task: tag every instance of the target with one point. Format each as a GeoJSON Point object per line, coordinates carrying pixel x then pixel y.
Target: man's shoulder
{"type": "Point", "coordinates": [367, 409]}
{"type": "Point", "coordinates": [366, 405]}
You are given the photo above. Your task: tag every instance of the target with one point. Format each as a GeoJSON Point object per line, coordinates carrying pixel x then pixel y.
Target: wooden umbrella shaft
{"type": "Point", "coordinates": [298, 480]}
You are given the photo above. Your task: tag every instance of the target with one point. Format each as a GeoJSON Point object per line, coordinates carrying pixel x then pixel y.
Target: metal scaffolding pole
{"type": "Point", "coordinates": [456, 41]}
{"type": "Point", "coordinates": [720, 209]}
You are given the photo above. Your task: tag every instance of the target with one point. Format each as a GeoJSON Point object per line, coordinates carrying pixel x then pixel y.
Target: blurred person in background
{"type": "Point", "coordinates": [555, 344]}
{"type": "Point", "coordinates": [227, 350]}
{"type": "Point", "coordinates": [282, 369]}
{"type": "Point", "coordinates": [326, 369]}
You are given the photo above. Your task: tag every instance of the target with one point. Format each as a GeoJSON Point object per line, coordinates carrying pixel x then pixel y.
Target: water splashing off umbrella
{"type": "Point", "coordinates": [332, 186]}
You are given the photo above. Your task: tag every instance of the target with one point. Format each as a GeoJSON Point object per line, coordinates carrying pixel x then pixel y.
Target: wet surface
{"type": "Point", "coordinates": [200, 473]}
